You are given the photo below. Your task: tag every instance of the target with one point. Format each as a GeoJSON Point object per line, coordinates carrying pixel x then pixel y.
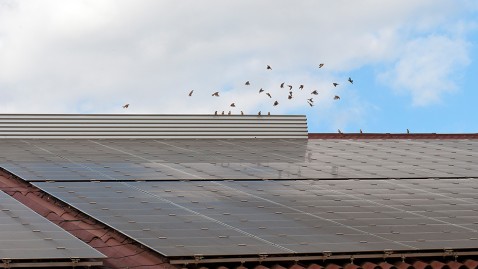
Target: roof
{"type": "Point", "coordinates": [332, 201]}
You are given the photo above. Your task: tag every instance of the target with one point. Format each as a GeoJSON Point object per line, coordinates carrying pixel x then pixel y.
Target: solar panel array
{"type": "Point", "coordinates": [277, 196]}
{"type": "Point", "coordinates": [40, 160]}
{"type": "Point", "coordinates": [283, 217]}
{"type": "Point", "coordinates": [25, 235]}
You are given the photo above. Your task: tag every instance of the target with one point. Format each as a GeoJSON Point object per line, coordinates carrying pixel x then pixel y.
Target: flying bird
{"type": "Point", "coordinates": [268, 94]}
{"type": "Point", "coordinates": [336, 97]}
{"type": "Point", "coordinates": [289, 97]}
{"type": "Point", "coordinates": [269, 67]}
{"type": "Point", "coordinates": [335, 84]}
{"type": "Point", "coordinates": [315, 92]}
{"type": "Point", "coordinates": [351, 80]}
{"type": "Point", "coordinates": [261, 90]}
{"type": "Point", "coordinates": [290, 87]}
{"type": "Point", "coordinates": [126, 106]}
{"type": "Point", "coordinates": [321, 65]}
{"type": "Point", "coordinates": [216, 94]}
{"type": "Point", "coordinates": [310, 103]}
{"type": "Point", "coordinates": [310, 100]}
{"type": "Point", "coordinates": [301, 87]}
{"type": "Point", "coordinates": [248, 83]}
{"type": "Point", "coordinates": [191, 93]}
{"type": "Point", "coordinates": [282, 85]}
{"type": "Point", "coordinates": [233, 105]}
{"type": "Point", "coordinates": [276, 103]}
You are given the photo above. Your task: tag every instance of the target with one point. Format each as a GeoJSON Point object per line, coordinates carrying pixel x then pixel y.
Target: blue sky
{"type": "Point", "coordinates": [413, 62]}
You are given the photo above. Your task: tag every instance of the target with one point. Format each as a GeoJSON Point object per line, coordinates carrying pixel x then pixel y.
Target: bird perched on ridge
{"type": "Point", "coordinates": [242, 112]}
{"type": "Point", "coordinates": [126, 106]}
{"type": "Point", "coordinates": [216, 94]}
{"type": "Point", "coordinates": [338, 130]}
{"type": "Point", "coordinates": [229, 113]}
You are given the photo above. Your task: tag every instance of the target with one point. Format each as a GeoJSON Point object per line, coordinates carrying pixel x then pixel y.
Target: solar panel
{"type": "Point", "coordinates": [79, 160]}
{"type": "Point", "coordinates": [26, 235]}
{"type": "Point", "coordinates": [178, 218]}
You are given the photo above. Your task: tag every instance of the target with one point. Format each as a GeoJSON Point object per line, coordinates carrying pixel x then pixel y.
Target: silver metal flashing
{"type": "Point", "coordinates": [149, 126]}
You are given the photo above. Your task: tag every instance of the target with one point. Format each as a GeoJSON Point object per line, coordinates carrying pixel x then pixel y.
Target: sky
{"type": "Point", "coordinates": [413, 63]}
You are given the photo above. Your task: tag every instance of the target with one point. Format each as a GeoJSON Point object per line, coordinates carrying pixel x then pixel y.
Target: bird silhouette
{"type": "Point", "coordinates": [289, 97]}
{"type": "Point", "coordinates": [301, 87]}
{"type": "Point", "coordinates": [310, 100]}
{"type": "Point", "coordinates": [310, 103]}
{"type": "Point", "coordinates": [126, 106]}
{"type": "Point", "coordinates": [261, 90]}
{"type": "Point", "coordinates": [216, 94]}
{"type": "Point", "coordinates": [268, 113]}
{"type": "Point", "coordinates": [321, 65]}
{"type": "Point", "coordinates": [222, 113]}
{"type": "Point", "coordinates": [276, 103]}
{"type": "Point", "coordinates": [242, 113]}
{"type": "Point", "coordinates": [314, 92]}
{"type": "Point", "coordinates": [335, 84]}
{"type": "Point", "coordinates": [215, 113]}
{"type": "Point", "coordinates": [248, 83]}
{"type": "Point", "coordinates": [269, 67]}
{"type": "Point", "coordinates": [351, 80]}
{"type": "Point", "coordinates": [338, 130]}
{"type": "Point", "coordinates": [336, 97]}
{"type": "Point", "coordinates": [229, 113]}
{"type": "Point", "coordinates": [290, 87]}
{"type": "Point", "coordinates": [259, 113]}
{"type": "Point", "coordinates": [282, 85]}
{"type": "Point", "coordinates": [361, 131]}
{"type": "Point", "coordinates": [233, 105]}
{"type": "Point", "coordinates": [408, 131]}
{"type": "Point", "coordinates": [268, 94]}
{"type": "Point", "coordinates": [191, 93]}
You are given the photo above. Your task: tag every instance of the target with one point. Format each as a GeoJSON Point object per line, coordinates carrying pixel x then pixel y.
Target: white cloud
{"type": "Point", "coordinates": [94, 56]}
{"type": "Point", "coordinates": [428, 68]}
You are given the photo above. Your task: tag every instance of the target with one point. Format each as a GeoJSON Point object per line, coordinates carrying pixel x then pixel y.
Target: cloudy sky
{"type": "Point", "coordinates": [413, 63]}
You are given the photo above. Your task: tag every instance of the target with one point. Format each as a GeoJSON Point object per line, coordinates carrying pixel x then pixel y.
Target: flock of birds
{"type": "Point", "coordinates": [310, 101]}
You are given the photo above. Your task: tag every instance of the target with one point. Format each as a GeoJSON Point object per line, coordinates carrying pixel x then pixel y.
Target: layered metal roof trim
{"type": "Point", "coordinates": [115, 126]}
